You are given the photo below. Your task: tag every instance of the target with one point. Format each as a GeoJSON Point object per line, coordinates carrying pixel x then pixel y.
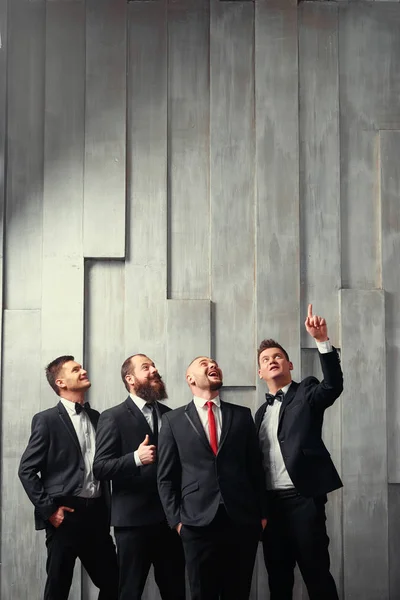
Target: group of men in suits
{"type": "Point", "coordinates": [198, 485]}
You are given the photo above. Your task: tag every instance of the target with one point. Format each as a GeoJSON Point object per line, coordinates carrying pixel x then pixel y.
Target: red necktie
{"type": "Point", "coordinates": [212, 427]}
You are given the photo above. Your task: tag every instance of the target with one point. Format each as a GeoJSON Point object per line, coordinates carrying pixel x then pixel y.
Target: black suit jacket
{"type": "Point", "coordinates": [307, 460]}
{"type": "Point", "coordinates": [53, 451]}
{"type": "Point", "coordinates": [193, 482]}
{"type": "Point", "coordinates": [135, 500]}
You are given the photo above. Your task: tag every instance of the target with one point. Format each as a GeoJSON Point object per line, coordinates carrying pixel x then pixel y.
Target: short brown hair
{"type": "Point", "coordinates": [127, 369]}
{"type": "Point", "coordinates": [270, 344]}
{"type": "Point", "coordinates": [53, 370]}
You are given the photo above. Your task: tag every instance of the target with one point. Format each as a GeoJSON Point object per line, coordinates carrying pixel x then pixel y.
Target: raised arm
{"type": "Point", "coordinates": [323, 394]}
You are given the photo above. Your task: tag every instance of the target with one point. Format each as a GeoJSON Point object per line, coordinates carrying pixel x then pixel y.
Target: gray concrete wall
{"type": "Point", "coordinates": [181, 177]}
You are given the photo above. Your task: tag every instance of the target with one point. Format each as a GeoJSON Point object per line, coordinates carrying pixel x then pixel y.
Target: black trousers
{"type": "Point", "coordinates": [83, 534]}
{"type": "Point", "coordinates": [296, 532]}
{"type": "Point", "coordinates": [140, 547]}
{"type": "Point", "coordinates": [220, 558]}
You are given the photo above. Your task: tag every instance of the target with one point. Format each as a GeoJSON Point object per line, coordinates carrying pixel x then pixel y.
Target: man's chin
{"type": "Point", "coordinates": [215, 385]}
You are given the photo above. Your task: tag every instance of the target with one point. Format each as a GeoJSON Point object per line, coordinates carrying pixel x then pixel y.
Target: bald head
{"type": "Point", "coordinates": [204, 377]}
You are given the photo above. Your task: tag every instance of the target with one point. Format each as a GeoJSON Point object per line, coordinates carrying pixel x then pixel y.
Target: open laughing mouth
{"type": "Point", "coordinates": [213, 373]}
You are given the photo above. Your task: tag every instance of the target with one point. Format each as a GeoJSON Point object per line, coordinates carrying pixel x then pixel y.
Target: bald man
{"type": "Point", "coordinates": [210, 481]}
{"type": "Point", "coordinates": [126, 454]}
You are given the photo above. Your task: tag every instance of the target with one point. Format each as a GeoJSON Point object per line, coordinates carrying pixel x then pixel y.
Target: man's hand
{"type": "Point", "coordinates": [58, 517]}
{"type": "Point", "coordinates": [178, 528]}
{"type": "Point", "coordinates": [263, 523]}
{"type": "Point", "coordinates": [146, 453]}
{"type": "Point", "coordinates": [316, 326]}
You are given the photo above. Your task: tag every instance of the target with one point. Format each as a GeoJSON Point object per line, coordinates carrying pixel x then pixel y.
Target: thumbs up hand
{"type": "Point", "coordinates": [146, 452]}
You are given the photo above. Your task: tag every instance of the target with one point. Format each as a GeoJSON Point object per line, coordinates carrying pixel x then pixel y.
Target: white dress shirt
{"type": "Point", "coordinates": [202, 410]}
{"type": "Point", "coordinates": [87, 438]}
{"type": "Point", "coordinates": [148, 415]}
{"type": "Point", "coordinates": [276, 475]}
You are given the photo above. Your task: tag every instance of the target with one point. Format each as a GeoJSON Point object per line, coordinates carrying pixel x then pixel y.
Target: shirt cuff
{"type": "Point", "coordinates": [324, 347]}
{"type": "Point", "coordinates": [138, 462]}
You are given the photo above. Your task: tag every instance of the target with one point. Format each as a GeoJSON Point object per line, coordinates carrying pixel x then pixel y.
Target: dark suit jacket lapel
{"type": "Point", "coordinates": [290, 394]}
{"type": "Point", "coordinates": [192, 415]}
{"type": "Point", "coordinates": [226, 412]}
{"type": "Point", "coordinates": [139, 417]}
{"type": "Point", "coordinates": [260, 415]}
{"type": "Point", "coordinates": [63, 415]}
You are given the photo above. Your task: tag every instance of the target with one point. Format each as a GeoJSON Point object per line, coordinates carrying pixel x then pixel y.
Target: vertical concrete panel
{"type": "Point", "coordinates": [232, 175]}
{"type": "Point", "coordinates": [25, 102]}
{"type": "Point", "coordinates": [63, 275]}
{"type": "Point", "coordinates": [319, 163]}
{"type": "Point", "coordinates": [188, 149]}
{"type": "Point", "coordinates": [278, 262]}
{"type": "Point", "coordinates": [104, 331]}
{"type": "Point", "coordinates": [310, 365]}
{"type": "Point", "coordinates": [105, 129]}
{"type": "Point", "coordinates": [390, 239]}
{"type": "Point", "coordinates": [22, 548]}
{"type": "Point", "coordinates": [369, 50]}
{"type": "Point", "coordinates": [364, 445]}
{"type": "Point", "coordinates": [145, 271]}
{"type": "Point", "coordinates": [188, 336]}
{"type": "Point", "coordinates": [3, 117]}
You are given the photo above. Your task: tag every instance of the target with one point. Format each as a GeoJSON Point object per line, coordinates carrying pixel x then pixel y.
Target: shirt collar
{"type": "Point", "coordinates": [200, 402]}
{"type": "Point", "coordinates": [286, 387]}
{"type": "Point", "coordinates": [140, 403]}
{"type": "Point", "coordinates": [69, 406]}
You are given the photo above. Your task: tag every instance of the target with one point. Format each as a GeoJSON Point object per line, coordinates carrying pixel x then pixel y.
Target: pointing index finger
{"type": "Point", "coordinates": [310, 311]}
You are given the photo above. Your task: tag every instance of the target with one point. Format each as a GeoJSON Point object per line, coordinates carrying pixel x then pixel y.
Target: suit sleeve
{"type": "Point", "coordinates": [108, 462]}
{"type": "Point", "coordinates": [322, 395]}
{"type": "Point", "coordinates": [33, 461]}
{"type": "Point", "coordinates": [169, 473]}
{"type": "Point", "coordinates": [254, 466]}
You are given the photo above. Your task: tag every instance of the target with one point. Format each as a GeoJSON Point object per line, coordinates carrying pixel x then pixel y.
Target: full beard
{"type": "Point", "coordinates": [151, 392]}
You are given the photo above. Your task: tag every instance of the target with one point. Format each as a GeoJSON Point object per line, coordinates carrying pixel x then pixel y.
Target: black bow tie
{"type": "Point", "coordinates": [270, 398]}
{"type": "Point", "coordinates": [80, 407]}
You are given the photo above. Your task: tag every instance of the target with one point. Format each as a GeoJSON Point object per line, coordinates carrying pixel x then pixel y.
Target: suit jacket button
{"type": "Point", "coordinates": [82, 468]}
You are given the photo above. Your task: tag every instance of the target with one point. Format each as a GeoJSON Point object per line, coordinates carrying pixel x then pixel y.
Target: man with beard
{"type": "Point", "coordinates": [126, 454]}
{"type": "Point", "coordinates": [211, 485]}
{"type": "Point", "coordinates": [69, 503]}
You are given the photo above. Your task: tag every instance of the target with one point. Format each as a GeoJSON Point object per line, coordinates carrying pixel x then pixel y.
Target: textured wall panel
{"type": "Point", "coordinates": [104, 332]}
{"type": "Point", "coordinates": [364, 445]}
{"type": "Point", "coordinates": [369, 51]}
{"type": "Point", "coordinates": [3, 115]}
{"type": "Point", "coordinates": [319, 163]}
{"type": "Point", "coordinates": [188, 336]}
{"type": "Point", "coordinates": [310, 365]}
{"type": "Point", "coordinates": [105, 129]}
{"type": "Point", "coordinates": [390, 195]}
{"type": "Point", "coordinates": [145, 272]}
{"type": "Point", "coordinates": [22, 548]}
{"type": "Point", "coordinates": [25, 99]}
{"type": "Point", "coordinates": [62, 286]}
{"type": "Point", "coordinates": [232, 167]}
{"type": "Point", "coordinates": [188, 149]}
{"type": "Point", "coordinates": [278, 265]}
